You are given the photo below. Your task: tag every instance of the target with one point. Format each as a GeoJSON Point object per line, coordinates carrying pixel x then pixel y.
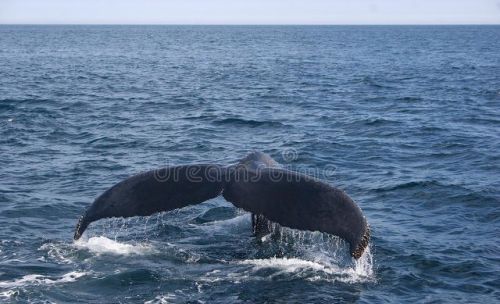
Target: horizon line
{"type": "Point", "coordinates": [264, 24]}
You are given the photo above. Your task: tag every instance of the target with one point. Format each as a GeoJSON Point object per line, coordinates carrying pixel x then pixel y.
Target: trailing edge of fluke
{"type": "Point", "coordinates": [256, 184]}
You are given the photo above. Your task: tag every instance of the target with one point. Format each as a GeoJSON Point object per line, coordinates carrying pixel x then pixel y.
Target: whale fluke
{"type": "Point", "coordinates": [288, 198]}
{"type": "Point", "coordinates": [301, 202]}
{"type": "Point", "coordinates": [154, 191]}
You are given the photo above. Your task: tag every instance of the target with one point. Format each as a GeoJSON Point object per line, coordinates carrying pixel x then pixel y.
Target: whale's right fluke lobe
{"type": "Point", "coordinates": [301, 202]}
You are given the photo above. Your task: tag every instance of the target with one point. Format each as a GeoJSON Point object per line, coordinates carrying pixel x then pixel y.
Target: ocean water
{"type": "Point", "coordinates": [406, 118]}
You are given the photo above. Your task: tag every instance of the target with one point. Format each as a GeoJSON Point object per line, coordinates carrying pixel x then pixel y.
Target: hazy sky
{"type": "Point", "coordinates": [251, 11]}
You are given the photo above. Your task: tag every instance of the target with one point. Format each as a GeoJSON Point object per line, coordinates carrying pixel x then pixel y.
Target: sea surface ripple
{"type": "Point", "coordinates": [408, 116]}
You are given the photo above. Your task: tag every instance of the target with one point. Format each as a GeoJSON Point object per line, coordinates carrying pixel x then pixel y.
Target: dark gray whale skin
{"type": "Point", "coordinates": [256, 184]}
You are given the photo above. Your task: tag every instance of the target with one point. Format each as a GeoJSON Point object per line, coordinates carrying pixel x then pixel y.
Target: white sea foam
{"type": "Point", "coordinates": [286, 264]}
{"type": "Point", "coordinates": [8, 294]}
{"type": "Point", "coordinates": [361, 271]}
{"type": "Point", "coordinates": [162, 299]}
{"type": "Point", "coordinates": [37, 279]}
{"type": "Point", "coordinates": [57, 251]}
{"type": "Point", "coordinates": [103, 245]}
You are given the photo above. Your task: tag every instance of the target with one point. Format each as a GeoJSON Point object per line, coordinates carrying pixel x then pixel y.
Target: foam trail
{"type": "Point", "coordinates": [287, 264]}
{"type": "Point", "coordinates": [312, 270]}
{"type": "Point", "coordinates": [38, 279]}
{"type": "Point", "coordinates": [103, 245]}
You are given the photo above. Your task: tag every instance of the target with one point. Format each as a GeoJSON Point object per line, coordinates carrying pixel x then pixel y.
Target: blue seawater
{"type": "Point", "coordinates": [408, 116]}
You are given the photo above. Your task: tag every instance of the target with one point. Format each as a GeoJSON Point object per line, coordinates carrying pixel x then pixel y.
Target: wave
{"type": "Point", "coordinates": [199, 117]}
{"type": "Point", "coordinates": [409, 99]}
{"type": "Point", "coordinates": [374, 83]}
{"type": "Point", "coordinates": [6, 106]}
{"type": "Point", "coordinates": [380, 121]}
{"type": "Point", "coordinates": [410, 185]}
{"type": "Point", "coordinates": [248, 122]}
{"type": "Point", "coordinates": [23, 100]}
{"type": "Point", "coordinates": [38, 279]}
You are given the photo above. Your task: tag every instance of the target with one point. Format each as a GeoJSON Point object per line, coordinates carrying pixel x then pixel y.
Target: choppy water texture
{"type": "Point", "coordinates": [409, 116]}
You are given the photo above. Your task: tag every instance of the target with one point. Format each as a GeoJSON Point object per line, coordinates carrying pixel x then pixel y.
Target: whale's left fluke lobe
{"type": "Point", "coordinates": [155, 191]}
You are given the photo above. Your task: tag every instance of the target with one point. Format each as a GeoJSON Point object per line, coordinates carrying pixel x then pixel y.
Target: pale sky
{"type": "Point", "coordinates": [250, 12]}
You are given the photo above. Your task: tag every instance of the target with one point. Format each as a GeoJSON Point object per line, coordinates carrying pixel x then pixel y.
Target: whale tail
{"type": "Point", "coordinates": [288, 198]}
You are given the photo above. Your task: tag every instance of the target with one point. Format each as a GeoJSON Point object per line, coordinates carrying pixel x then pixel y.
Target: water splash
{"type": "Point", "coordinates": [314, 255]}
{"type": "Point", "coordinates": [364, 265]}
{"type": "Point", "coordinates": [103, 245]}
{"type": "Point", "coordinates": [310, 270]}
{"type": "Point", "coordinates": [162, 299]}
{"type": "Point", "coordinates": [241, 221]}
{"type": "Point", "coordinates": [59, 252]}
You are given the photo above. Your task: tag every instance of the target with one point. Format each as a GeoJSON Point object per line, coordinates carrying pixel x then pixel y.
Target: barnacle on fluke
{"type": "Point", "coordinates": [358, 252]}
